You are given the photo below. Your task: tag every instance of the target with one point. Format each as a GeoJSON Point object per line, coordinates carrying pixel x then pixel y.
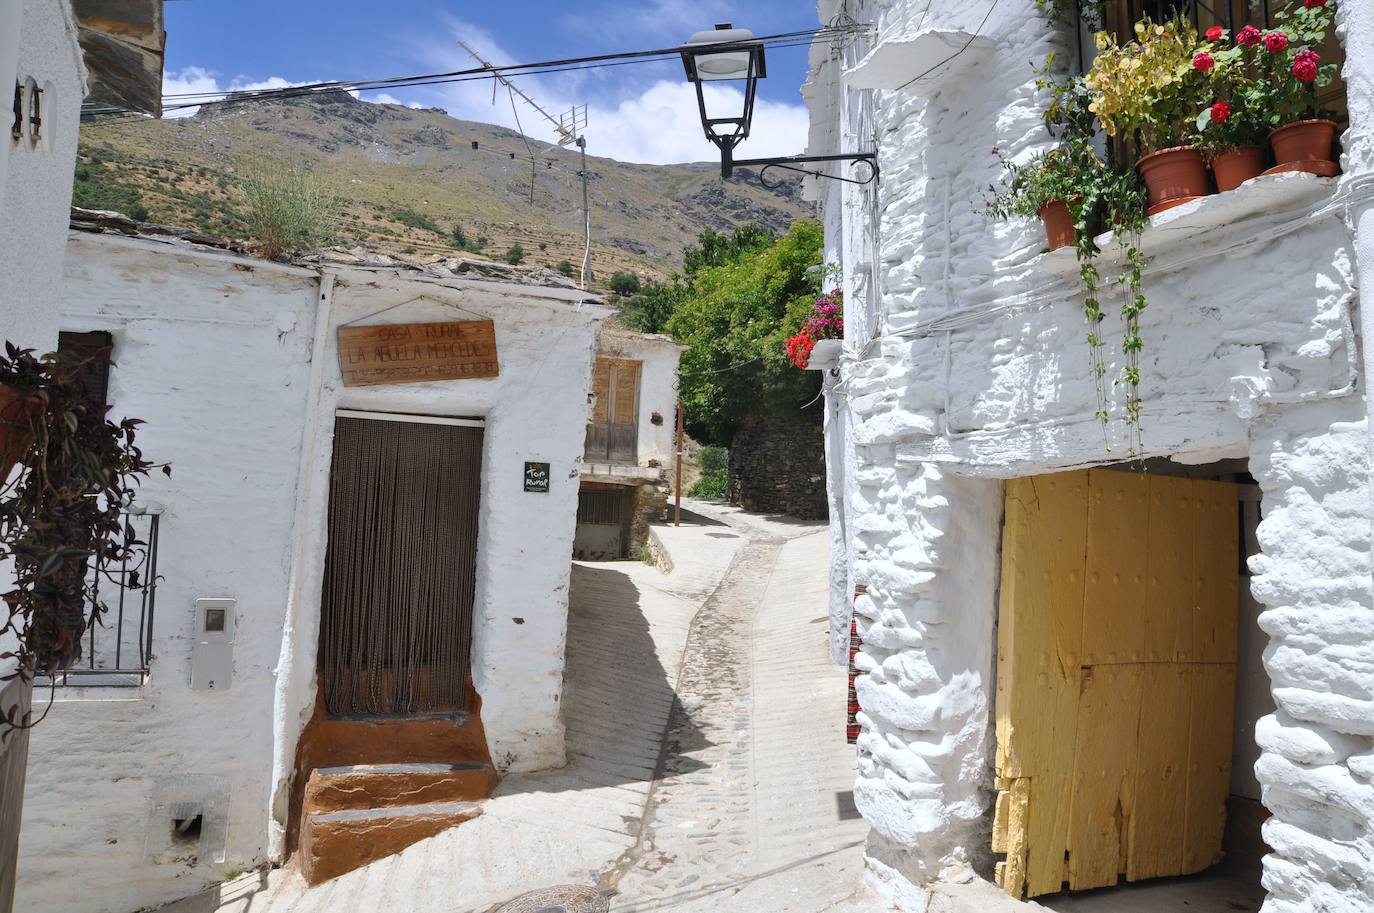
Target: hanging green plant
{"type": "Point", "coordinates": [63, 514]}
{"type": "Point", "coordinates": [1099, 198]}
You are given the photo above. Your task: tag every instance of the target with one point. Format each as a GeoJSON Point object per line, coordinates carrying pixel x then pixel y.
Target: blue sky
{"type": "Point", "coordinates": [643, 112]}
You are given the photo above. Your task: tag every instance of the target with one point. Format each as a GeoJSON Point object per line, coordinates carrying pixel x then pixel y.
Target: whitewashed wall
{"type": "Point", "coordinates": [37, 39]}
{"type": "Point", "coordinates": [979, 372]}
{"type": "Point", "coordinates": [233, 365]}
{"type": "Point", "coordinates": [657, 389]}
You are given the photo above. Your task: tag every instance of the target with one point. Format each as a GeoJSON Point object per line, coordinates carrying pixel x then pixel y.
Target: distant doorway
{"type": "Point", "coordinates": [400, 570]}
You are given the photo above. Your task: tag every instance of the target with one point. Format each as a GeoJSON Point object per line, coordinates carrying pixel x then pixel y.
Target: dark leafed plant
{"type": "Point", "coordinates": [64, 514]}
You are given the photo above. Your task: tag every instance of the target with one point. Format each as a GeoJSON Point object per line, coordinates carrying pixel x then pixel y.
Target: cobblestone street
{"type": "Point", "coordinates": [707, 766]}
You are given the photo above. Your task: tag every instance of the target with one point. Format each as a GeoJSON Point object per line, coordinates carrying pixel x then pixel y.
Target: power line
{"type": "Point", "coordinates": [185, 100]}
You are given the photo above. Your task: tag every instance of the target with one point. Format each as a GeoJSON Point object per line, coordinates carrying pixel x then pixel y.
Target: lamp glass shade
{"type": "Point", "coordinates": [732, 64]}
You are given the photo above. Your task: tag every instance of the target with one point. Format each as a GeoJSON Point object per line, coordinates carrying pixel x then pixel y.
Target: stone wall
{"type": "Point", "coordinates": [777, 466]}
{"type": "Point", "coordinates": [965, 363]}
{"type": "Point", "coordinates": [651, 503]}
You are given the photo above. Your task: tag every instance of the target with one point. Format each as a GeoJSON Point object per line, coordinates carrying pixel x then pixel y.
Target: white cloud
{"type": "Point", "coordinates": [636, 114]}
{"type": "Point", "coordinates": [646, 113]}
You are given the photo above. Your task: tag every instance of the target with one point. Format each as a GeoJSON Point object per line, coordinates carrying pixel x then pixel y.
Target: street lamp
{"type": "Point", "coordinates": [730, 54]}
{"type": "Point", "coordinates": [726, 54]}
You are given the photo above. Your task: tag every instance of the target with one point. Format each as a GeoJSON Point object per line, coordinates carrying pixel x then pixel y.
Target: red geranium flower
{"type": "Point", "coordinates": [1274, 42]}
{"type": "Point", "coordinates": [1216, 32]}
{"type": "Point", "coordinates": [1248, 36]}
{"type": "Point", "coordinates": [1311, 3]}
{"type": "Point", "coordinates": [1202, 62]}
{"type": "Point", "coordinates": [799, 349]}
{"type": "Point", "coordinates": [1220, 111]}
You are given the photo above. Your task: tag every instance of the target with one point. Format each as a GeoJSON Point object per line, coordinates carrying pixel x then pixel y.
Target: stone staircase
{"type": "Point", "coordinates": [357, 814]}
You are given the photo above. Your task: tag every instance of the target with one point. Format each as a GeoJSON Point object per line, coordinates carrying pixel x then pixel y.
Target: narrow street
{"type": "Point", "coordinates": [707, 766]}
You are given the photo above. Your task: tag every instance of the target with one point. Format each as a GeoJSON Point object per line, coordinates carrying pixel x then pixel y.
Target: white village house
{"type": "Point", "coordinates": [316, 476]}
{"type": "Point", "coordinates": [1071, 675]}
{"type": "Point", "coordinates": [53, 55]}
{"type": "Point", "coordinates": [631, 435]}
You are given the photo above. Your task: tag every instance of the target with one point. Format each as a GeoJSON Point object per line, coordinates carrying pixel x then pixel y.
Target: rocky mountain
{"type": "Point", "coordinates": [407, 178]}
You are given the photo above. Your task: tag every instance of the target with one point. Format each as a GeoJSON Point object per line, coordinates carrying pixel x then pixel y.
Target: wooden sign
{"type": "Point", "coordinates": [537, 477]}
{"type": "Point", "coordinates": [412, 353]}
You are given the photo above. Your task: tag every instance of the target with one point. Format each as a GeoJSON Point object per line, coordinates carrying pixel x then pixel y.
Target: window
{"type": "Point", "coordinates": [613, 428]}
{"type": "Point", "coordinates": [1119, 17]}
{"type": "Point", "coordinates": [95, 375]}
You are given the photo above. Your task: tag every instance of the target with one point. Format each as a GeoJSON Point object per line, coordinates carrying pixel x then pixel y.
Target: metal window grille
{"type": "Point", "coordinates": [118, 649]}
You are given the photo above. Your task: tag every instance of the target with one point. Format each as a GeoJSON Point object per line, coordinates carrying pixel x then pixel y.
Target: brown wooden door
{"type": "Point", "coordinates": [1116, 678]}
{"type": "Point", "coordinates": [613, 429]}
{"type": "Point", "coordinates": [400, 570]}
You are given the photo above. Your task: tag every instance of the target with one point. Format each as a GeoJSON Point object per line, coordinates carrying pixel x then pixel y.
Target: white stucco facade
{"type": "Point", "coordinates": [233, 364]}
{"type": "Point", "coordinates": [965, 364]}
{"type": "Point", "coordinates": [658, 357]}
{"type": "Point", "coordinates": [38, 42]}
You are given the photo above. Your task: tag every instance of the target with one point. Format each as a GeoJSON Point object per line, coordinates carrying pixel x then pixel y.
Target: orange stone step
{"type": "Point", "coordinates": [336, 842]}
{"type": "Point", "coordinates": [364, 786]}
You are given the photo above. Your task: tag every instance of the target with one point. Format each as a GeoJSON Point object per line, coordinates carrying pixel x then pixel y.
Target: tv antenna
{"type": "Point", "coordinates": [569, 127]}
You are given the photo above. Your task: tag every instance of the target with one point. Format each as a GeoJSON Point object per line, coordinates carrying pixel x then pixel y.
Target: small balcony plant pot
{"type": "Point", "coordinates": [1059, 224]}
{"type": "Point", "coordinates": [14, 432]}
{"type": "Point", "coordinates": [1304, 145]}
{"type": "Point", "coordinates": [1236, 166]}
{"type": "Point", "coordinates": [825, 355]}
{"type": "Point", "coordinates": [1174, 176]}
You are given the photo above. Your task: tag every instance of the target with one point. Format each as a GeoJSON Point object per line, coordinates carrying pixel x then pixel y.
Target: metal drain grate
{"type": "Point", "coordinates": [562, 899]}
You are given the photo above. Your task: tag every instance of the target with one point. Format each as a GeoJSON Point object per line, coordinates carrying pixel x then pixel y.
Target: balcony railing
{"type": "Point", "coordinates": [118, 649]}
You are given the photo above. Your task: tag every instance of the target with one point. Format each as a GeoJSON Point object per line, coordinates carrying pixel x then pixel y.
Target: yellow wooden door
{"type": "Point", "coordinates": [1116, 661]}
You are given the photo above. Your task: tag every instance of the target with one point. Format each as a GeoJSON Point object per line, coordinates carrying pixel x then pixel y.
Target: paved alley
{"type": "Point", "coordinates": [707, 766]}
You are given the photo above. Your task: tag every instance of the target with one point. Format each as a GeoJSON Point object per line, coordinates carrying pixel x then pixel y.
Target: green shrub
{"type": "Point", "coordinates": [623, 283]}
{"type": "Point", "coordinates": [711, 486]}
{"type": "Point", "coordinates": [565, 267]}
{"type": "Point", "coordinates": [97, 187]}
{"type": "Point", "coordinates": [515, 255]}
{"type": "Point", "coordinates": [413, 219]}
{"type": "Point", "coordinates": [286, 209]}
{"type": "Point", "coordinates": [712, 459]}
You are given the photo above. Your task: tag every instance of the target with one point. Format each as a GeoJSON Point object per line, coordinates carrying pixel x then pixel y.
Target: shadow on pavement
{"type": "Point", "coordinates": [617, 697]}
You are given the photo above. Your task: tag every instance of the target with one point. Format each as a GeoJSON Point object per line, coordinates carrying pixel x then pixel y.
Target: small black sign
{"type": "Point", "coordinates": [537, 477]}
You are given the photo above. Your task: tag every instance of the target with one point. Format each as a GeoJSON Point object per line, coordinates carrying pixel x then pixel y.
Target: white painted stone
{"type": "Point", "coordinates": [966, 362]}
{"type": "Point", "coordinates": [38, 40]}
{"type": "Point", "coordinates": [233, 364]}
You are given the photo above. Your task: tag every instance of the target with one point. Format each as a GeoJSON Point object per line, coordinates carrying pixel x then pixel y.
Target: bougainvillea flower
{"type": "Point", "coordinates": [1216, 32]}
{"type": "Point", "coordinates": [1274, 42]}
{"type": "Point", "coordinates": [1248, 36]}
{"type": "Point", "coordinates": [1202, 62]}
{"type": "Point", "coordinates": [1220, 111]}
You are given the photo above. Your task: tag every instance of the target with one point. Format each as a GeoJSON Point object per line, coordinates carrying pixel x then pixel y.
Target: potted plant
{"type": "Point", "coordinates": [63, 515]}
{"type": "Point", "coordinates": [1049, 185]}
{"type": "Point", "coordinates": [1152, 86]}
{"type": "Point", "coordinates": [1303, 133]}
{"type": "Point", "coordinates": [817, 344]}
{"type": "Point", "coordinates": [1232, 129]}
{"type": "Point", "coordinates": [14, 430]}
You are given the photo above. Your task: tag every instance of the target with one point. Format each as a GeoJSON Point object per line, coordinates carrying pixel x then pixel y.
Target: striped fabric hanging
{"type": "Point", "coordinates": [851, 728]}
{"type": "Point", "coordinates": [400, 572]}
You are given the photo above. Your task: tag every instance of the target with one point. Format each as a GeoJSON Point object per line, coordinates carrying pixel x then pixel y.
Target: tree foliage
{"type": "Point", "coordinates": [624, 283]}
{"type": "Point", "coordinates": [744, 295]}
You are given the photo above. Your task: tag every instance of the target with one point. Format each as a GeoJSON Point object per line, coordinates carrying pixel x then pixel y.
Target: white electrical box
{"type": "Point", "coordinates": [212, 656]}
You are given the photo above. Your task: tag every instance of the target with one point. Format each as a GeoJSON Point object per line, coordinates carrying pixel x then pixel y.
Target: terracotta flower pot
{"type": "Point", "coordinates": [1059, 224]}
{"type": "Point", "coordinates": [1236, 166]}
{"type": "Point", "coordinates": [1175, 176]}
{"type": "Point", "coordinates": [14, 435]}
{"type": "Point", "coordinates": [1304, 145]}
